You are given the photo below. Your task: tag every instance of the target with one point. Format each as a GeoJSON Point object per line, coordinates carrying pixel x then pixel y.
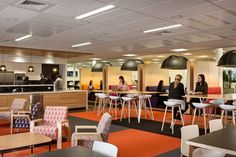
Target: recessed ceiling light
{"type": "Point", "coordinates": [161, 56]}
{"type": "Point", "coordinates": [162, 28]}
{"type": "Point", "coordinates": [138, 57]}
{"type": "Point", "coordinates": [179, 50]}
{"type": "Point", "coordinates": [203, 56]}
{"type": "Point", "coordinates": [187, 54]}
{"type": "Point", "coordinates": [81, 44]}
{"type": "Point", "coordinates": [155, 62]}
{"type": "Point", "coordinates": [120, 59]}
{"type": "Point", "coordinates": [156, 59]}
{"type": "Point", "coordinates": [24, 37]}
{"type": "Point", "coordinates": [105, 8]}
{"type": "Point", "coordinates": [192, 59]}
{"type": "Point", "coordinates": [105, 61]}
{"type": "Point", "coordinates": [214, 58]}
{"type": "Point", "coordinates": [129, 55]}
{"type": "Point", "coordinates": [94, 59]}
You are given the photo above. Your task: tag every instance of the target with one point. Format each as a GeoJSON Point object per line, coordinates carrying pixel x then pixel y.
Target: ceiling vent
{"type": "Point", "coordinates": [35, 5]}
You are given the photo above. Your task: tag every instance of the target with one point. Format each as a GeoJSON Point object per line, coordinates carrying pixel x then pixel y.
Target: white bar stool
{"type": "Point", "coordinates": [96, 100]}
{"type": "Point", "coordinates": [112, 99]}
{"type": "Point", "coordinates": [225, 109]}
{"type": "Point", "coordinates": [128, 100]}
{"type": "Point", "coordinates": [200, 106]}
{"type": "Point", "coordinates": [172, 104]}
{"type": "Point", "coordinates": [146, 98]}
{"type": "Point", "coordinates": [102, 98]}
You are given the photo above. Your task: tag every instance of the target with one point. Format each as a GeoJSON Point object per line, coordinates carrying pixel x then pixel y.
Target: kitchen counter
{"type": "Point", "coordinates": [26, 88]}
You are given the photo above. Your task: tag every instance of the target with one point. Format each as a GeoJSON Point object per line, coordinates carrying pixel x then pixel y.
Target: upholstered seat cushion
{"type": "Point", "coordinates": [5, 115]}
{"type": "Point", "coordinates": [47, 130]}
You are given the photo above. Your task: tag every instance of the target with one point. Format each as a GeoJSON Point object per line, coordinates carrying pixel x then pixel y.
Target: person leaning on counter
{"type": "Point", "coordinates": [58, 84]}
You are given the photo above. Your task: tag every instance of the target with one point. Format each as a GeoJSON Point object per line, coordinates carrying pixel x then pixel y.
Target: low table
{"type": "Point", "coordinates": [21, 140]}
{"type": "Point", "coordinates": [75, 151]}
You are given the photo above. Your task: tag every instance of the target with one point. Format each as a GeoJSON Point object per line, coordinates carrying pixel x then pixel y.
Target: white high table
{"type": "Point", "coordinates": [139, 93]}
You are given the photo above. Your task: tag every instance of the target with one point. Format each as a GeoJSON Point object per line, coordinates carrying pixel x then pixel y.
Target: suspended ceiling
{"type": "Point", "coordinates": [206, 24]}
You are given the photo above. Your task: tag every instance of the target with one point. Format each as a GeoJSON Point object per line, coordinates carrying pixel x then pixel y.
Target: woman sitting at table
{"type": "Point", "coordinates": [201, 88]}
{"type": "Point", "coordinates": [176, 92]}
{"type": "Point", "coordinates": [160, 87]}
{"type": "Point", "coordinates": [123, 86]}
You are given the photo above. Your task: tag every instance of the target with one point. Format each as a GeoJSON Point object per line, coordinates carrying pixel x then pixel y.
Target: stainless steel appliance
{"type": "Point", "coordinates": [7, 78]}
{"type": "Point", "coordinates": [19, 78]}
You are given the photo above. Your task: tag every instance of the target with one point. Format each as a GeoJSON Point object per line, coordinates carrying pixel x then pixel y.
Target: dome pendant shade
{"type": "Point", "coordinates": [30, 69]}
{"type": "Point", "coordinates": [3, 68]}
{"type": "Point", "coordinates": [131, 65]}
{"type": "Point", "coordinates": [99, 66]}
{"type": "Point", "coordinates": [228, 59]}
{"type": "Point", "coordinates": [175, 63]}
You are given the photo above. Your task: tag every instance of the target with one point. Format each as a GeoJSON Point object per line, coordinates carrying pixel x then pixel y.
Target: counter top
{"type": "Point", "coordinates": [23, 93]}
{"type": "Point", "coordinates": [27, 85]}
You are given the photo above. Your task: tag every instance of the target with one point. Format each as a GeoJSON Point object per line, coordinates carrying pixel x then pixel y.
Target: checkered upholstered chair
{"type": "Point", "coordinates": [53, 124]}
{"type": "Point", "coordinates": [101, 133]}
{"type": "Point", "coordinates": [22, 119]}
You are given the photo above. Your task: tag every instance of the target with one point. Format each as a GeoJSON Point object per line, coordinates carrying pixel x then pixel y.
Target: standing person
{"type": "Point", "coordinates": [90, 88]}
{"type": "Point", "coordinates": [58, 84]}
{"type": "Point", "coordinates": [160, 87]}
{"type": "Point", "coordinates": [101, 85]}
{"type": "Point", "coordinates": [176, 93]}
{"type": "Point", "coordinates": [26, 80]}
{"type": "Point", "coordinates": [123, 86]}
{"type": "Point", "coordinates": [43, 79]}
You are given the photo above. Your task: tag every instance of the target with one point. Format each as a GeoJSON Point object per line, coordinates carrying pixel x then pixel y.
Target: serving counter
{"type": "Point", "coordinates": [70, 98]}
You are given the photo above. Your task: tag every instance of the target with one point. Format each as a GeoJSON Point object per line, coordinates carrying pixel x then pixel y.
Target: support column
{"type": "Point", "coordinates": [105, 78]}
{"type": "Point", "coordinates": [219, 53]}
{"type": "Point", "coordinates": [141, 77]}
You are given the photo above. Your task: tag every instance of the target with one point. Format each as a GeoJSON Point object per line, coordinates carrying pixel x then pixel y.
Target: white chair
{"type": "Point", "coordinates": [216, 104]}
{"type": "Point", "coordinates": [114, 99]}
{"type": "Point", "coordinates": [200, 106]}
{"type": "Point", "coordinates": [215, 125]}
{"type": "Point", "coordinates": [172, 104]}
{"type": "Point", "coordinates": [105, 149]}
{"type": "Point", "coordinates": [145, 99]}
{"type": "Point", "coordinates": [102, 99]}
{"type": "Point", "coordinates": [225, 109]}
{"type": "Point", "coordinates": [130, 101]}
{"type": "Point", "coordinates": [192, 131]}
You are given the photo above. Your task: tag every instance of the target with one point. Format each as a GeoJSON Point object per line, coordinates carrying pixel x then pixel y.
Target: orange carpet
{"type": "Point", "coordinates": [138, 143]}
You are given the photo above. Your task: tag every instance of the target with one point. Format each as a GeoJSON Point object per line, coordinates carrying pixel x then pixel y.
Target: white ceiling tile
{"type": "Point", "coordinates": [72, 8]}
{"type": "Point", "coordinates": [171, 6]}
{"type": "Point", "coordinates": [227, 4]}
{"type": "Point", "coordinates": [124, 18]}
{"type": "Point", "coordinates": [137, 4]}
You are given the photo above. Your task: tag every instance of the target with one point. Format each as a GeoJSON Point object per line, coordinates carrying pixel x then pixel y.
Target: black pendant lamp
{"type": "Point", "coordinates": [228, 59]}
{"type": "Point", "coordinates": [131, 65]}
{"type": "Point", "coordinates": [30, 68]}
{"type": "Point", "coordinates": [99, 66]}
{"type": "Point", "coordinates": [3, 67]}
{"type": "Point", "coordinates": [175, 63]}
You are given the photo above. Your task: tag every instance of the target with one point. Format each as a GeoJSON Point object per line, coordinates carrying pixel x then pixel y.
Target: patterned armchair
{"type": "Point", "coordinates": [85, 139]}
{"type": "Point", "coordinates": [22, 119]}
{"type": "Point", "coordinates": [53, 124]}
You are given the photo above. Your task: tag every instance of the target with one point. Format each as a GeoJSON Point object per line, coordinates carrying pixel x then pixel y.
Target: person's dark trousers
{"type": "Point", "coordinates": [177, 115]}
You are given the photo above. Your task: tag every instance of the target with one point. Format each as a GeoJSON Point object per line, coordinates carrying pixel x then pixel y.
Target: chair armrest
{"type": "Point", "coordinates": [33, 123]}
{"type": "Point", "coordinates": [85, 127]}
{"type": "Point", "coordinates": [5, 108]}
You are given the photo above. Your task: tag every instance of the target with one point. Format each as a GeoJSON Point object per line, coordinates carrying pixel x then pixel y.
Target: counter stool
{"type": "Point", "coordinates": [112, 99]}
{"type": "Point", "coordinates": [225, 109]}
{"type": "Point", "coordinates": [216, 104]}
{"type": "Point", "coordinates": [102, 98]}
{"type": "Point", "coordinates": [171, 104]}
{"type": "Point", "coordinates": [96, 100]}
{"type": "Point", "coordinates": [128, 100]}
{"type": "Point", "coordinates": [200, 106]}
{"type": "Point", "coordinates": [146, 98]}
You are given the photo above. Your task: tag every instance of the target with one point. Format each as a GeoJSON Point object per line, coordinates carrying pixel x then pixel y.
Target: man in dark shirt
{"type": "Point", "coordinates": [176, 93]}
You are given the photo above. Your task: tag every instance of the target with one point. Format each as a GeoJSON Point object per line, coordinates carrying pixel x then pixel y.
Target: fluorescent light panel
{"type": "Point", "coordinates": [81, 44]}
{"type": "Point", "coordinates": [162, 28]}
{"type": "Point", "coordinates": [129, 55]}
{"type": "Point", "coordinates": [108, 7]}
{"type": "Point", "coordinates": [24, 37]}
{"type": "Point", "coordinates": [179, 50]}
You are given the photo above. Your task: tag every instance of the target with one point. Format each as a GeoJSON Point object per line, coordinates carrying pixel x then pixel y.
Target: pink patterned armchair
{"type": "Point", "coordinates": [52, 124]}
{"type": "Point", "coordinates": [101, 133]}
